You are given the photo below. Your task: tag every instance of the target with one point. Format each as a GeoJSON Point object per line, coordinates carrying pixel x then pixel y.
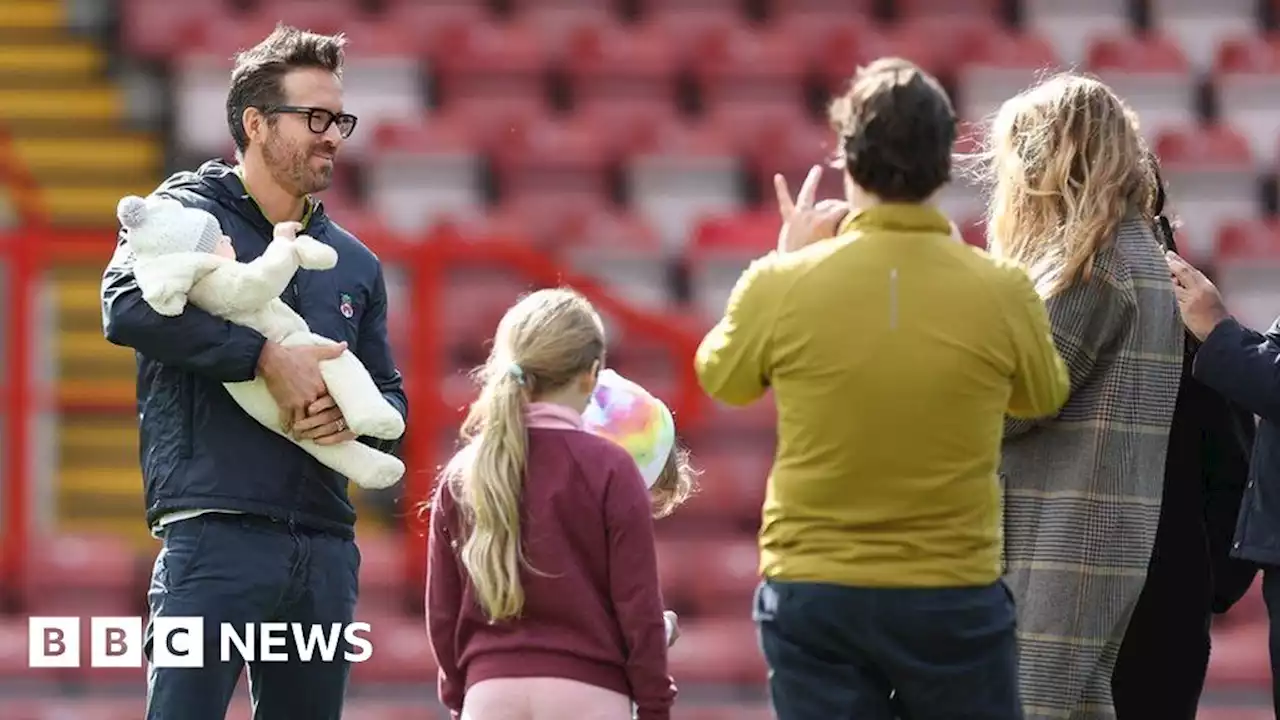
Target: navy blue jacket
{"type": "Point", "coordinates": [199, 450]}
{"type": "Point", "coordinates": [1244, 366]}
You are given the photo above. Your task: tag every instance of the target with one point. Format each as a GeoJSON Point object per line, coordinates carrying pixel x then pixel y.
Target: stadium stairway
{"type": "Point", "coordinates": [67, 119]}
{"type": "Point", "coordinates": [68, 127]}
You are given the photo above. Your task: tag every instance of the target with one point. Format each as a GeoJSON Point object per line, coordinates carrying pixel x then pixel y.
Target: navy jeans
{"type": "Point", "coordinates": [245, 569]}
{"type": "Point", "coordinates": [843, 653]}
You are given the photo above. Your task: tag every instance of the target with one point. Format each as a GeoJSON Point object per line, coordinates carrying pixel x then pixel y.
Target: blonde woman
{"type": "Point", "coordinates": [1072, 202]}
{"type": "Point", "coordinates": [542, 585]}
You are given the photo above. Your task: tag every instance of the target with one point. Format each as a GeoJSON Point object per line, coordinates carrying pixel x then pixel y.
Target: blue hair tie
{"type": "Point", "coordinates": [517, 372]}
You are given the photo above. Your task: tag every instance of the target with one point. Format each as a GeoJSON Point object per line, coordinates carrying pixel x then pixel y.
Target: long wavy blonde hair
{"type": "Point", "coordinates": [1066, 163]}
{"type": "Point", "coordinates": [546, 341]}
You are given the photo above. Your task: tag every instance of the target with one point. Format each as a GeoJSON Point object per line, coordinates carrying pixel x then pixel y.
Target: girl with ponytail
{"type": "Point", "coordinates": [530, 615]}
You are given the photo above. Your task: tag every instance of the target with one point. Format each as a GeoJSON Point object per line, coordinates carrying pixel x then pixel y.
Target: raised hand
{"type": "Point", "coordinates": [804, 220]}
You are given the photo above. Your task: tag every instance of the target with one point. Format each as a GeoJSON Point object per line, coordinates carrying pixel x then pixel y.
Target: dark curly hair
{"type": "Point", "coordinates": [897, 130]}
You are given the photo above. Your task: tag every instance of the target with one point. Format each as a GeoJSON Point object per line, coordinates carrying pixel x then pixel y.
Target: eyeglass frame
{"type": "Point", "coordinates": [311, 113]}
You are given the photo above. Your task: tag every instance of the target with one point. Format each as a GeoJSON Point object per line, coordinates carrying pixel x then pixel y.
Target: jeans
{"type": "Point", "coordinates": [242, 569]}
{"type": "Point", "coordinates": [844, 653]}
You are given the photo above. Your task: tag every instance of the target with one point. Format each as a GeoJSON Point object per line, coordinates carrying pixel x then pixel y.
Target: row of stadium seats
{"type": "Point", "coordinates": [1194, 24]}
{"type": "Point", "coordinates": [708, 580]}
{"type": "Point", "coordinates": [714, 67]}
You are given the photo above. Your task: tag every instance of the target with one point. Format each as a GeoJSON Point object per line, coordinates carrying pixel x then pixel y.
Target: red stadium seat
{"type": "Point", "coordinates": [1246, 263]}
{"type": "Point", "coordinates": [1198, 28]}
{"type": "Point", "coordinates": [939, 45]}
{"type": "Point", "coordinates": [733, 481]}
{"type": "Point", "coordinates": [436, 24]}
{"type": "Point", "coordinates": [627, 129]}
{"type": "Point", "coordinates": [1000, 66]}
{"type": "Point", "coordinates": [613, 64]}
{"type": "Point", "coordinates": [552, 157]}
{"type": "Point", "coordinates": [828, 10]}
{"type": "Point", "coordinates": [819, 37]}
{"type": "Point", "coordinates": [158, 29]}
{"type": "Point", "coordinates": [492, 64]}
{"type": "Point", "coordinates": [993, 9]}
{"type": "Point", "coordinates": [98, 574]}
{"type": "Point", "coordinates": [751, 233]}
{"type": "Point", "coordinates": [382, 569]}
{"type": "Point", "coordinates": [727, 570]}
{"type": "Point", "coordinates": [1212, 180]}
{"type": "Point", "coordinates": [1071, 26]}
{"type": "Point", "coordinates": [1249, 242]}
{"type": "Point", "coordinates": [1151, 74]}
{"type": "Point", "coordinates": [681, 171]}
{"type": "Point", "coordinates": [1240, 658]}
{"type": "Point", "coordinates": [1247, 81]}
{"type": "Point", "coordinates": [723, 245]}
{"type": "Point", "coordinates": [974, 230]}
{"type": "Point", "coordinates": [557, 20]}
{"type": "Point", "coordinates": [401, 652]}
{"type": "Point", "coordinates": [429, 171]}
{"type": "Point", "coordinates": [322, 16]}
{"type": "Point", "coordinates": [717, 651]}
{"type": "Point", "coordinates": [734, 65]}
{"type": "Point", "coordinates": [13, 655]}
{"type": "Point", "coordinates": [690, 24]}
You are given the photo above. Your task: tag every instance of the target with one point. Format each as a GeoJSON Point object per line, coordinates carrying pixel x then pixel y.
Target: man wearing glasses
{"type": "Point", "coordinates": [254, 530]}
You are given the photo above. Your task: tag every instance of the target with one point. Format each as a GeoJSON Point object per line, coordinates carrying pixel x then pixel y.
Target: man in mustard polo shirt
{"type": "Point", "coordinates": [894, 352]}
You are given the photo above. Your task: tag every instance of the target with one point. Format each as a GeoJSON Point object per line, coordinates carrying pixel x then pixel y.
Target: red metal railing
{"type": "Point", "coordinates": [28, 253]}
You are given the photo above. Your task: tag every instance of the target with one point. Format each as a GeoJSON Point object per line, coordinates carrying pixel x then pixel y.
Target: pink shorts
{"type": "Point", "coordinates": [543, 698]}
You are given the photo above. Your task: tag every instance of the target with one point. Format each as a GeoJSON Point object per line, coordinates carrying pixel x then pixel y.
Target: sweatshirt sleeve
{"type": "Point", "coordinates": [732, 362]}
{"type": "Point", "coordinates": [1040, 380]}
{"type": "Point", "coordinates": [444, 601]}
{"type": "Point", "coordinates": [636, 593]}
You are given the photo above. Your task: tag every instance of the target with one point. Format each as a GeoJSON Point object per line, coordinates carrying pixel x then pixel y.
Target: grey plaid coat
{"type": "Point", "coordinates": [1083, 489]}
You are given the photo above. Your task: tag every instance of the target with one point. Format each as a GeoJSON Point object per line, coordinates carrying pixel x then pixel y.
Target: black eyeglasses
{"type": "Point", "coordinates": [318, 119]}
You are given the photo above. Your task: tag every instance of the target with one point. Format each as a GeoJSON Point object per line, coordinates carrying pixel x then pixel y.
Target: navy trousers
{"type": "Point", "coordinates": [242, 569]}
{"type": "Point", "coordinates": [842, 653]}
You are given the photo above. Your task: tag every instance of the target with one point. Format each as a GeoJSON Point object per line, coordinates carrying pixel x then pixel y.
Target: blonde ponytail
{"type": "Point", "coordinates": [490, 484]}
{"type": "Point", "coordinates": [544, 343]}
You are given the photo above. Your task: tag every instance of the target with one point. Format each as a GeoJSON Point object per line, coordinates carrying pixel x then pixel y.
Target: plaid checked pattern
{"type": "Point", "coordinates": [1083, 489]}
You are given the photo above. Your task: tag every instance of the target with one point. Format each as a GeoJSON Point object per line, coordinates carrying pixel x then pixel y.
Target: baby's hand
{"type": "Point", "coordinates": [288, 230]}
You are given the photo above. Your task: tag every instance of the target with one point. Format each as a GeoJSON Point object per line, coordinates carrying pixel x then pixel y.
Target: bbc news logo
{"type": "Point", "coordinates": [179, 642]}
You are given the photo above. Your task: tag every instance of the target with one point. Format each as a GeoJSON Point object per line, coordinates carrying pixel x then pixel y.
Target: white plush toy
{"type": "Point", "coordinates": [181, 255]}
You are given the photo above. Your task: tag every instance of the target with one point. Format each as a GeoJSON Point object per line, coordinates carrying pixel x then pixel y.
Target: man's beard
{"type": "Point", "coordinates": [289, 165]}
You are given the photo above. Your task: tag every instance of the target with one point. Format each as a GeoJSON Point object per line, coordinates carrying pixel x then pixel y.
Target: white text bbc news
{"type": "Point", "coordinates": [179, 642]}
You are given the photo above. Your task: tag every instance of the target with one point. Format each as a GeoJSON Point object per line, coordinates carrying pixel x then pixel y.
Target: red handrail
{"type": "Point", "coordinates": [30, 251]}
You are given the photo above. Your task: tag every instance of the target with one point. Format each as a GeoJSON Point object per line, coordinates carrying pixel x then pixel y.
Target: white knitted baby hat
{"type": "Point", "coordinates": [159, 226]}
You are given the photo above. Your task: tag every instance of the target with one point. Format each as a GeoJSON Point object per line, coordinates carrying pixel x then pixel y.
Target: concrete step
{"type": "Point", "coordinates": [102, 105]}
{"type": "Point", "coordinates": [113, 394]}
{"type": "Point", "coordinates": [67, 58]}
{"type": "Point", "coordinates": [131, 157]}
{"type": "Point", "coordinates": [20, 17]}
{"type": "Point", "coordinates": [90, 206]}
{"type": "Point", "coordinates": [108, 483]}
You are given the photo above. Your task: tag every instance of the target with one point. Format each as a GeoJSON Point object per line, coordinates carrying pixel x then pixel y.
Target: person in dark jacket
{"type": "Point", "coordinates": [1160, 671]}
{"type": "Point", "coordinates": [1244, 366]}
{"type": "Point", "coordinates": [254, 530]}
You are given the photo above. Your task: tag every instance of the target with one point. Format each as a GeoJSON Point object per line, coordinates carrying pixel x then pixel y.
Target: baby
{"type": "Point", "coordinates": [631, 416]}
{"type": "Point", "coordinates": [181, 255]}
